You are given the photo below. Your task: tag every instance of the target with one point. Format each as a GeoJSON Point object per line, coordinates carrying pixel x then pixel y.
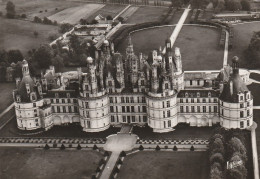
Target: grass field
{"type": "Point", "coordinates": [146, 14]}
{"type": "Point", "coordinates": [6, 99]}
{"type": "Point", "coordinates": [74, 14]}
{"type": "Point", "coordinates": [198, 45]}
{"type": "Point", "coordinates": [28, 163]}
{"type": "Point", "coordinates": [164, 165]}
{"type": "Point", "coordinates": [182, 131]}
{"type": "Point", "coordinates": [18, 34]}
{"type": "Point", "coordinates": [242, 36]}
{"type": "Point", "coordinates": [109, 9]}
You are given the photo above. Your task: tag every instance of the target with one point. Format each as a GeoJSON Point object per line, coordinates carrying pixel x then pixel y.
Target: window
{"type": "Point", "coordinates": [109, 83]}
{"type": "Point", "coordinates": [86, 105]}
{"type": "Point", "coordinates": [74, 101]}
{"type": "Point", "coordinates": [164, 124]}
{"type": "Point", "coordinates": [198, 82]}
{"type": "Point", "coordinates": [132, 99]}
{"type": "Point", "coordinates": [222, 112]}
{"type": "Point", "coordinates": [241, 124]}
{"type": "Point", "coordinates": [241, 113]}
{"type": "Point", "coordinates": [34, 104]}
{"type": "Point", "coordinates": [241, 98]}
{"type": "Point", "coordinates": [192, 100]}
{"type": "Point", "coordinates": [124, 119]}
{"type": "Point", "coordinates": [247, 104]}
{"type": "Point", "coordinates": [204, 108]}
{"type": "Point", "coordinates": [69, 109]}
{"type": "Point", "coordinates": [204, 100]}
{"type": "Point", "coordinates": [248, 113]}
{"type": "Point", "coordinates": [52, 101]}
{"type": "Point", "coordinates": [192, 109]}
{"type": "Point", "coordinates": [111, 99]}
{"type": "Point", "coordinates": [187, 100]}
{"type": "Point", "coordinates": [168, 113]}
{"type": "Point", "coordinates": [133, 118]}
{"type": "Point", "coordinates": [75, 109]}
{"type": "Point", "coordinates": [168, 104]}
{"type": "Point", "coordinates": [163, 104]}
{"type": "Point", "coordinates": [169, 123]}
{"type": "Point", "coordinates": [190, 82]}
{"type": "Point", "coordinates": [198, 100]}
{"type": "Point", "coordinates": [241, 105]}
{"type": "Point", "coordinates": [198, 109]}
{"type": "Point", "coordinates": [139, 109]}
{"type": "Point", "coordinates": [215, 100]}
{"type": "Point", "coordinates": [58, 109]}
{"type": "Point", "coordinates": [215, 109]}
{"type": "Point", "coordinates": [64, 108]}
{"type": "Point", "coordinates": [115, 99]}
{"type": "Point", "coordinates": [143, 99]}
{"type": "Point", "coordinates": [144, 118]}
{"type": "Point", "coordinates": [132, 109]}
{"type": "Point", "coordinates": [127, 99]}
{"type": "Point", "coordinates": [166, 86]}
{"type": "Point", "coordinates": [69, 101]}
{"type": "Point", "coordinates": [122, 99]}
{"type": "Point", "coordinates": [248, 123]}
{"type": "Point", "coordinates": [88, 124]}
{"type": "Point", "coordinates": [128, 108]}
{"type": "Point", "coordinates": [57, 100]}
{"type": "Point", "coordinates": [181, 100]}
{"type": "Point", "coordinates": [68, 95]}
{"type": "Point", "coordinates": [112, 119]}
{"type": "Point", "coordinates": [209, 108]}
{"type": "Point", "coordinates": [123, 108]}
{"type": "Point", "coordinates": [144, 108]}
{"type": "Point", "coordinates": [111, 108]}
{"type": "Point", "coordinates": [187, 108]}
{"type": "Point", "coordinates": [163, 114]}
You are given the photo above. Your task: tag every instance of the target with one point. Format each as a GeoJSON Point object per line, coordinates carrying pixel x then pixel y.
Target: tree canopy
{"type": "Point", "coordinates": [10, 9]}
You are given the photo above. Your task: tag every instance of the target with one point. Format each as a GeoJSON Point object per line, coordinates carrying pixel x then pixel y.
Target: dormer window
{"type": "Point", "coordinates": [209, 94]}
{"type": "Point", "coordinates": [198, 94]}
{"type": "Point", "coordinates": [68, 95]}
{"type": "Point", "coordinates": [186, 95]}
{"type": "Point", "coordinates": [27, 88]}
{"type": "Point", "coordinates": [241, 98]}
{"type": "Point", "coordinates": [18, 99]}
{"type": "Point", "coordinates": [56, 95]}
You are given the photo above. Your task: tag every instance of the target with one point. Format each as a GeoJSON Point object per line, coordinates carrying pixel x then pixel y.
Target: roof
{"type": "Point", "coordinates": [194, 93]}
{"type": "Point", "coordinates": [22, 90]}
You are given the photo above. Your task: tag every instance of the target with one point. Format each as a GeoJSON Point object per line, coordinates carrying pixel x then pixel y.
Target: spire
{"type": "Point", "coordinates": [129, 40]}
{"type": "Point", "coordinates": [235, 65]}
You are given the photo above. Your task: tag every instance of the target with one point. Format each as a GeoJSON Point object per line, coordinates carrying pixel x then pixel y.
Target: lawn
{"type": "Point", "coordinates": [18, 34]}
{"type": "Point", "coordinates": [147, 14]}
{"type": "Point", "coordinates": [242, 36]}
{"type": "Point", "coordinates": [164, 165]}
{"type": "Point", "coordinates": [198, 45]}
{"type": "Point", "coordinates": [32, 8]}
{"type": "Point", "coordinates": [28, 163]}
{"type": "Point", "coordinates": [182, 131]}
{"type": "Point", "coordinates": [74, 14]}
{"type": "Point", "coordinates": [6, 90]}
{"type": "Point", "coordinates": [109, 9]}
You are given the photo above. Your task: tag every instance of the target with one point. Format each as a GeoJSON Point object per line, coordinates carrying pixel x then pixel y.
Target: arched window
{"type": "Point", "coordinates": [166, 86]}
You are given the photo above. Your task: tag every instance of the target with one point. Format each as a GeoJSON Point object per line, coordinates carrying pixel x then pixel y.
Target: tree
{"type": "Point", "coordinates": [35, 33]}
{"type": "Point", "coordinates": [62, 147]}
{"type": "Point", "coordinates": [109, 17]}
{"type": "Point", "coordinates": [10, 10]}
{"type": "Point", "coordinates": [65, 27]}
{"type": "Point", "coordinates": [234, 5]}
{"type": "Point", "coordinates": [95, 147]}
{"type": "Point", "coordinates": [141, 147]}
{"type": "Point", "coordinates": [42, 56]}
{"type": "Point", "coordinates": [121, 19]}
{"type": "Point", "coordinates": [158, 148]}
{"type": "Point", "coordinates": [37, 19]}
{"type": "Point", "coordinates": [217, 147]}
{"type": "Point", "coordinates": [216, 173]}
{"type": "Point", "coordinates": [83, 21]}
{"type": "Point", "coordinates": [245, 5]}
{"type": "Point", "coordinates": [217, 157]}
{"type": "Point", "coordinates": [14, 56]}
{"type": "Point", "coordinates": [79, 147]}
{"type": "Point", "coordinates": [235, 145]}
{"type": "Point", "coordinates": [94, 21]}
{"type": "Point", "coordinates": [46, 147]}
{"type": "Point", "coordinates": [58, 63]}
{"type": "Point", "coordinates": [221, 5]}
{"type": "Point", "coordinates": [75, 45]}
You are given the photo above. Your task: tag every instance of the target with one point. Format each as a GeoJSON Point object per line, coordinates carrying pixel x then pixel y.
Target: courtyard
{"type": "Point", "coordinates": [198, 45]}
{"type": "Point", "coordinates": [52, 164]}
{"type": "Point", "coordinates": [164, 165]}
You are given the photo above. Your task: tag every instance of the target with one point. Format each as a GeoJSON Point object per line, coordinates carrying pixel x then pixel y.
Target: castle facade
{"type": "Point", "coordinates": [146, 89]}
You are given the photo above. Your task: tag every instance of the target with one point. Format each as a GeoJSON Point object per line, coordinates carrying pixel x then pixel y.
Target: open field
{"type": "Point", "coordinates": [146, 14]}
{"type": "Point", "coordinates": [129, 12]}
{"type": "Point", "coordinates": [198, 45]}
{"type": "Point", "coordinates": [182, 131]}
{"type": "Point", "coordinates": [27, 163]}
{"type": "Point", "coordinates": [74, 14]}
{"type": "Point", "coordinates": [32, 8]}
{"type": "Point", "coordinates": [6, 90]}
{"type": "Point", "coordinates": [242, 36]}
{"type": "Point", "coordinates": [18, 34]}
{"type": "Point", "coordinates": [164, 165]}
{"type": "Point", "coordinates": [72, 130]}
{"type": "Point", "coordinates": [109, 9]}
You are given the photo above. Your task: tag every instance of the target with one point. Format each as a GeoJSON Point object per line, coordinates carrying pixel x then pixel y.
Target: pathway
{"type": "Point", "coordinates": [110, 165]}
{"type": "Point", "coordinates": [120, 13]}
{"type": "Point", "coordinates": [178, 27]}
{"type": "Point", "coordinates": [4, 121]}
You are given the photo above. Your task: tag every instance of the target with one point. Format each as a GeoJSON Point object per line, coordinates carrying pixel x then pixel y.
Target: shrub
{"type": "Point", "coordinates": [54, 145]}
{"type": "Point", "coordinates": [102, 161]}
{"type": "Point", "coordinates": [120, 162]}
{"type": "Point", "coordinates": [37, 19]}
{"type": "Point", "coordinates": [62, 147]}
{"type": "Point", "coordinates": [157, 148]}
{"type": "Point", "coordinates": [95, 147]}
{"type": "Point", "coordinates": [93, 177]}
{"type": "Point", "coordinates": [175, 148]}
{"type": "Point", "coordinates": [79, 147]}
{"type": "Point", "coordinates": [23, 16]}
{"type": "Point", "coordinates": [98, 170]}
{"type": "Point", "coordinates": [122, 154]}
{"type": "Point", "coordinates": [217, 157]}
{"type": "Point", "coordinates": [192, 148]}
{"type": "Point", "coordinates": [70, 145]}
{"type": "Point", "coordinates": [46, 147]}
{"type": "Point", "coordinates": [116, 170]}
{"type": "Point", "coordinates": [141, 147]}
{"type": "Point", "coordinates": [40, 11]}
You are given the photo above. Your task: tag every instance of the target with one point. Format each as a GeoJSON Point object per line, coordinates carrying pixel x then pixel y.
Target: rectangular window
{"type": "Point", "coordinates": [204, 100]}
{"type": "Point", "coordinates": [241, 105]}
{"type": "Point", "coordinates": [192, 109]}
{"type": "Point", "coordinates": [163, 104]}
{"type": "Point", "coordinates": [111, 108]}
{"type": "Point", "coordinates": [248, 123]}
{"type": "Point", "coordinates": [64, 109]}
{"type": "Point", "coordinates": [168, 104]}
{"type": "Point", "coordinates": [57, 100]}
{"type": "Point", "coordinates": [123, 108]}
{"type": "Point", "coordinates": [144, 118]}
{"type": "Point", "coordinates": [69, 101]}
{"type": "Point", "coordinates": [132, 109]}
{"type": "Point", "coordinates": [204, 108]}
{"type": "Point", "coordinates": [209, 108]}
{"type": "Point", "coordinates": [164, 123]}
{"type": "Point", "coordinates": [169, 123]}
{"type": "Point", "coordinates": [124, 119]}
{"type": "Point", "coordinates": [63, 101]}
{"type": "Point", "coordinates": [69, 109]}
{"type": "Point", "coordinates": [187, 108]}
{"type": "Point", "coordinates": [190, 82]}
{"type": "Point", "coordinates": [74, 101]}
{"type": "Point", "coordinates": [122, 100]}
{"type": "Point", "coordinates": [111, 99]}
{"type": "Point", "coordinates": [128, 108]}
{"type": "Point", "coordinates": [241, 113]}
{"type": "Point", "coordinates": [215, 100]}
{"type": "Point", "coordinates": [132, 99]}
{"type": "Point", "coordinates": [144, 108]}
{"type": "Point", "coordinates": [58, 109]}
{"type": "Point", "coordinates": [181, 109]}
{"type": "Point", "coordinates": [112, 119]}
{"type": "Point", "coordinates": [198, 109]}
{"type": "Point", "coordinates": [163, 114]}
{"type": "Point", "coordinates": [215, 109]}
{"type": "Point", "coordinates": [86, 105]}
{"type": "Point", "coordinates": [52, 101]}
{"type": "Point", "coordinates": [248, 113]}
{"type": "Point", "coordinates": [127, 99]}
{"type": "Point", "coordinates": [192, 100]}
{"type": "Point", "coordinates": [168, 113]}
{"type": "Point", "coordinates": [198, 82]}
{"type": "Point", "coordinates": [139, 109]}
{"type": "Point", "coordinates": [116, 99]}
{"type": "Point", "coordinates": [133, 118]}
{"type": "Point", "coordinates": [181, 100]}
{"type": "Point", "coordinates": [198, 100]}
{"type": "Point", "coordinates": [143, 99]}
{"type": "Point", "coordinates": [241, 124]}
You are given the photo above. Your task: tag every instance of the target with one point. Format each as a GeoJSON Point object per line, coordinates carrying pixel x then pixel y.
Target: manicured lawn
{"type": "Point", "coordinates": [164, 165]}
{"type": "Point", "coordinates": [182, 131]}
{"type": "Point", "coordinates": [242, 36]}
{"type": "Point", "coordinates": [28, 163]}
{"type": "Point", "coordinates": [18, 34]}
{"type": "Point", "coordinates": [147, 14]}
{"type": "Point", "coordinates": [198, 45]}
{"type": "Point", "coordinates": [109, 9]}
{"type": "Point", "coordinates": [6, 98]}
